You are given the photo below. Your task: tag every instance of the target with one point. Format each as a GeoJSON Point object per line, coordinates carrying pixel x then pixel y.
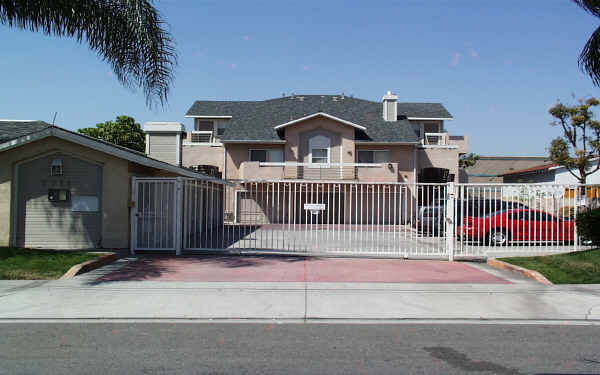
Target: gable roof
{"type": "Point", "coordinates": [536, 168]}
{"type": "Point", "coordinates": [257, 120]}
{"type": "Point", "coordinates": [12, 129]}
{"type": "Point", "coordinates": [18, 133]}
{"type": "Point", "coordinates": [493, 166]}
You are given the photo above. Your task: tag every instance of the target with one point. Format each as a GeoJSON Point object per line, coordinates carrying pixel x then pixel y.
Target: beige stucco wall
{"type": "Point", "coordinates": [296, 135]}
{"type": "Point", "coordinates": [239, 153]}
{"type": "Point", "coordinates": [116, 191]}
{"type": "Point", "coordinates": [202, 155]}
{"type": "Point", "coordinates": [402, 155]}
{"type": "Point", "coordinates": [438, 158]}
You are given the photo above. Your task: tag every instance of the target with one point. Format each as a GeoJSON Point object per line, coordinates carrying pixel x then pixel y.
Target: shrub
{"type": "Point", "coordinates": [588, 225]}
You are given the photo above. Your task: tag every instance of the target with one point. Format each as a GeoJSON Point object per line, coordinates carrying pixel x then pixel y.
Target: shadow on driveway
{"type": "Point", "coordinates": [170, 267]}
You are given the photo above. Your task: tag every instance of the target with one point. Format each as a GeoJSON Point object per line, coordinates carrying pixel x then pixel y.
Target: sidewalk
{"type": "Point", "coordinates": [83, 297]}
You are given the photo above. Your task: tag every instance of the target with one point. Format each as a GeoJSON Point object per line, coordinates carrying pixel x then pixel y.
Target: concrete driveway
{"type": "Point", "coordinates": [301, 269]}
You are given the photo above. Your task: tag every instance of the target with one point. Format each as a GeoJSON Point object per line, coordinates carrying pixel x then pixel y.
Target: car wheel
{"type": "Point", "coordinates": [498, 237]}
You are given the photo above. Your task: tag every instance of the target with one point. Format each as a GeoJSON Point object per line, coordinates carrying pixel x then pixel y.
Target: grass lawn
{"type": "Point", "coordinates": [572, 268]}
{"type": "Point", "coordinates": [26, 264]}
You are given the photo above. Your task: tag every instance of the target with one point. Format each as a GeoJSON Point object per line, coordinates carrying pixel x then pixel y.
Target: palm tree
{"type": "Point", "coordinates": [130, 35]}
{"type": "Point", "coordinates": [589, 59]}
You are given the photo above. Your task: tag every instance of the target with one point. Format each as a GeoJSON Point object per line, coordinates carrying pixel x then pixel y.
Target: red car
{"type": "Point", "coordinates": [518, 225]}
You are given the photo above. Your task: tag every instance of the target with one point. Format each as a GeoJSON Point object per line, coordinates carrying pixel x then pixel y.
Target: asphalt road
{"type": "Point", "coordinates": [145, 348]}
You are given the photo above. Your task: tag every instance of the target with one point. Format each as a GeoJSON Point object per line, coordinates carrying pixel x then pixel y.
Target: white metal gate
{"type": "Point", "coordinates": [358, 218]}
{"type": "Point", "coordinates": [336, 217]}
{"type": "Point", "coordinates": [155, 213]}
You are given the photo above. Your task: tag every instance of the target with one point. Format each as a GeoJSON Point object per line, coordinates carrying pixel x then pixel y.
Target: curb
{"type": "Point", "coordinates": [535, 275]}
{"type": "Point", "coordinates": [89, 265]}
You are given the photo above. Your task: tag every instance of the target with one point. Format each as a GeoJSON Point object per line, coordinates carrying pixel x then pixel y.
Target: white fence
{"type": "Point", "coordinates": [355, 218]}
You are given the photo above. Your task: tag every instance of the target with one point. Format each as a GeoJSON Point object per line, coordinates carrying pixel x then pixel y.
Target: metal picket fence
{"type": "Point", "coordinates": [358, 218]}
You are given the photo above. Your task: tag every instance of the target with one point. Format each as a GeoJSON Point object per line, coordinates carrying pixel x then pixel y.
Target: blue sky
{"type": "Point", "coordinates": [497, 66]}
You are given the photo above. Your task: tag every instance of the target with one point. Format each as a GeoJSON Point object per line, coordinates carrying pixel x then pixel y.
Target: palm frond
{"type": "Point", "coordinates": [129, 35]}
{"type": "Point", "coordinates": [589, 59]}
{"type": "Point", "coordinates": [591, 6]}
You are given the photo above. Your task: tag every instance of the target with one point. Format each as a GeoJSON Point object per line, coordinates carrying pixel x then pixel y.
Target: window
{"type": "Point", "coordinates": [369, 156]}
{"type": "Point", "coordinates": [204, 125]}
{"type": "Point", "coordinates": [319, 149]}
{"type": "Point", "coordinates": [56, 168]}
{"type": "Point", "coordinates": [220, 131]}
{"type": "Point", "coordinates": [267, 156]}
{"type": "Point", "coordinates": [319, 156]}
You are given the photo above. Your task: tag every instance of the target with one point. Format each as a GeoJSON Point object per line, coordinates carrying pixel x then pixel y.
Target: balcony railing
{"type": "Point", "coordinates": [331, 171]}
{"type": "Point", "coordinates": [435, 139]}
{"type": "Point", "coordinates": [202, 136]}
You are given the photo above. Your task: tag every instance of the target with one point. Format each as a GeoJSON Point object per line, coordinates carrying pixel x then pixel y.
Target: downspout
{"type": "Point", "coordinates": [415, 201]}
{"type": "Point", "coordinates": [415, 156]}
{"type": "Point", "coordinates": [224, 161]}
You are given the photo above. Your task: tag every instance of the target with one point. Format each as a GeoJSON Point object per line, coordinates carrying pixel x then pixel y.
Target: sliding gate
{"type": "Point", "coordinates": [347, 218]}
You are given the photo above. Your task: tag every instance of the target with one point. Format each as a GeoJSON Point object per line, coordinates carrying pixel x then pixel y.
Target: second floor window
{"type": "Point", "coordinates": [319, 149]}
{"type": "Point", "coordinates": [374, 156]}
{"type": "Point", "coordinates": [203, 125]}
{"type": "Point", "coordinates": [319, 156]}
{"type": "Point", "coordinates": [267, 156]}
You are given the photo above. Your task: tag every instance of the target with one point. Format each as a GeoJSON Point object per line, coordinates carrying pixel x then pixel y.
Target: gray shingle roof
{"type": "Point", "coordinates": [255, 120]}
{"type": "Point", "coordinates": [10, 129]}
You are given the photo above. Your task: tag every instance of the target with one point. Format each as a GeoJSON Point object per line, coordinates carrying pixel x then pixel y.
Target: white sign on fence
{"type": "Point", "coordinates": [314, 206]}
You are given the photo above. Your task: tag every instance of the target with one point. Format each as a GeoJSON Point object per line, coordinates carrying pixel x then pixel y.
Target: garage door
{"type": "Point", "coordinates": [59, 202]}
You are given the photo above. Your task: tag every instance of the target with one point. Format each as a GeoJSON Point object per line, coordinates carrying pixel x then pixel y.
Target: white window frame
{"type": "Point", "coordinates": [374, 162]}
{"type": "Point", "coordinates": [319, 142]}
{"type": "Point", "coordinates": [57, 163]}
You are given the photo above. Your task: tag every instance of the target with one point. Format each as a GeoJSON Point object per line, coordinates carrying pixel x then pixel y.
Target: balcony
{"type": "Point", "coordinates": [375, 172]}
{"type": "Point", "coordinates": [435, 139]}
{"type": "Point", "coordinates": [202, 138]}
{"type": "Point", "coordinates": [443, 140]}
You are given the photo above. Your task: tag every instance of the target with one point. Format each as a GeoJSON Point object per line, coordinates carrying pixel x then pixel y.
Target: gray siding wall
{"type": "Point", "coordinates": [45, 224]}
{"type": "Point", "coordinates": [163, 147]}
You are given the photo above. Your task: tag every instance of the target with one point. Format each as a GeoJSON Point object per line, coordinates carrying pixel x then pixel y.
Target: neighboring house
{"type": "Point", "coordinates": [549, 173]}
{"type": "Point", "coordinates": [490, 169]}
{"type": "Point", "coordinates": [60, 189]}
{"type": "Point", "coordinates": [314, 137]}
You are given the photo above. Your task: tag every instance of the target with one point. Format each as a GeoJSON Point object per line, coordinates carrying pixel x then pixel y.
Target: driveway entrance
{"type": "Point", "coordinates": [299, 269]}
